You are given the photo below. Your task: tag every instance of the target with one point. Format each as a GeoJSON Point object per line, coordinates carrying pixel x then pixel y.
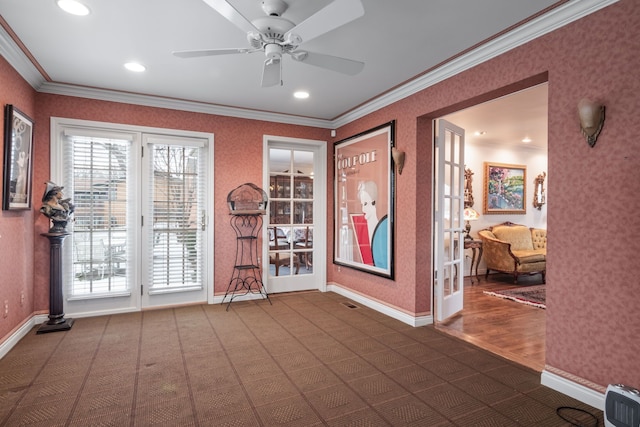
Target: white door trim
{"type": "Point", "coordinates": [57, 168]}
{"type": "Point", "coordinates": [320, 205]}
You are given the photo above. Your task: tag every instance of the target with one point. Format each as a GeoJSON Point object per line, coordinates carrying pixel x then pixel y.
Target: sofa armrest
{"type": "Point", "coordinates": [497, 253]}
{"type": "Point", "coordinates": [539, 238]}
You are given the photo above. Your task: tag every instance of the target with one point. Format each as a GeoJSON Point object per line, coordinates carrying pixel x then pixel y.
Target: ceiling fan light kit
{"type": "Point", "coordinates": [275, 36]}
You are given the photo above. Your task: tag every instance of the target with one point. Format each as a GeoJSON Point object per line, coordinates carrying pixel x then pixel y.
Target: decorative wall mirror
{"type": "Point", "coordinates": [539, 197]}
{"type": "Point", "coordinates": [468, 189]}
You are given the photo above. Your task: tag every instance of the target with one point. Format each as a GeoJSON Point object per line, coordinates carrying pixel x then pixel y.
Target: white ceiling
{"type": "Point", "coordinates": [406, 45]}
{"type": "Point", "coordinates": [508, 120]}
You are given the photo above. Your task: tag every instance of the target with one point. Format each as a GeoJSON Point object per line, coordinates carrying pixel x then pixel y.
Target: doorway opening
{"type": "Point", "coordinates": [295, 178]}
{"type": "Point", "coordinates": [512, 129]}
{"type": "Point", "coordinates": [142, 198]}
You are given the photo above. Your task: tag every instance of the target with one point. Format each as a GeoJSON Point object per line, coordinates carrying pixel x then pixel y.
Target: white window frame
{"type": "Point", "coordinates": [93, 307]}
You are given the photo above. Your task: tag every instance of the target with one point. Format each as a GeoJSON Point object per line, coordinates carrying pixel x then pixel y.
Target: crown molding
{"type": "Point", "coordinates": [550, 21]}
{"type": "Point", "coordinates": [18, 60]}
{"type": "Point", "coordinates": [177, 104]}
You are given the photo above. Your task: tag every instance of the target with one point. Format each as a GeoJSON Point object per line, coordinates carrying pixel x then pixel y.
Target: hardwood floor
{"type": "Point", "coordinates": [512, 330]}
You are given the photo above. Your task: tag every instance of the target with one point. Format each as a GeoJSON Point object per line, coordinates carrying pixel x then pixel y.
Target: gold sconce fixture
{"type": "Point", "coordinates": [468, 188]}
{"type": "Point", "coordinates": [591, 116]}
{"type": "Point", "coordinates": [398, 158]}
{"type": "Point", "coordinates": [539, 197]}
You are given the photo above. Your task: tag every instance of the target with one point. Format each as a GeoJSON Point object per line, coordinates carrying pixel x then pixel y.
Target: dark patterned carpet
{"type": "Point", "coordinates": [306, 360]}
{"type": "Point", "coordinates": [530, 295]}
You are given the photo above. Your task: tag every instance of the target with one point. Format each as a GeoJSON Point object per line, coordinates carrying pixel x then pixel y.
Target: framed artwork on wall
{"type": "Point", "coordinates": [18, 159]}
{"type": "Point", "coordinates": [504, 188]}
{"type": "Point", "coordinates": [364, 205]}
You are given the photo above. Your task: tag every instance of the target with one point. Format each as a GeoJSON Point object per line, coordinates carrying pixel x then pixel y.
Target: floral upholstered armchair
{"type": "Point", "coordinates": [515, 249]}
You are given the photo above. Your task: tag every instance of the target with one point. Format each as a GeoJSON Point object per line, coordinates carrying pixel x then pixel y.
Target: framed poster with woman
{"type": "Point", "coordinates": [364, 201]}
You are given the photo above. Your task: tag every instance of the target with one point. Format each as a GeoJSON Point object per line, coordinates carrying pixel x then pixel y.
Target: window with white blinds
{"type": "Point", "coordinates": [176, 206]}
{"type": "Point", "coordinates": [96, 177]}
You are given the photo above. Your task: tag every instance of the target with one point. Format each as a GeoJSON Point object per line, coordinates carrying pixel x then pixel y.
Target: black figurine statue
{"type": "Point", "coordinates": [57, 209]}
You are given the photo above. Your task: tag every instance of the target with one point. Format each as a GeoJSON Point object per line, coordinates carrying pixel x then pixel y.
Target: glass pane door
{"type": "Point", "coordinates": [139, 236]}
{"type": "Point", "coordinates": [93, 171]}
{"type": "Point", "coordinates": [176, 215]}
{"type": "Point", "coordinates": [101, 241]}
{"type": "Point", "coordinates": [290, 228]}
{"type": "Point", "coordinates": [449, 202]}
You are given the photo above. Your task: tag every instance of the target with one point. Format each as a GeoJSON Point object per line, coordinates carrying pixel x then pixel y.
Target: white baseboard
{"type": "Point", "coordinates": [21, 332]}
{"type": "Point", "coordinates": [217, 299]}
{"type": "Point", "coordinates": [573, 389]}
{"type": "Point", "coordinates": [382, 308]}
{"type": "Point", "coordinates": [96, 313]}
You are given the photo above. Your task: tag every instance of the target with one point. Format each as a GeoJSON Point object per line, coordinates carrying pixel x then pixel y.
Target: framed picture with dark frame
{"type": "Point", "coordinates": [18, 159]}
{"type": "Point", "coordinates": [364, 205]}
{"type": "Point", "coordinates": [504, 188]}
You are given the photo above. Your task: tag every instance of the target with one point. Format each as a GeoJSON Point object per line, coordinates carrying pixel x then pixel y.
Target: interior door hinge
{"type": "Point", "coordinates": [142, 221]}
{"type": "Point", "coordinates": [142, 151]}
{"type": "Point", "coordinates": [141, 288]}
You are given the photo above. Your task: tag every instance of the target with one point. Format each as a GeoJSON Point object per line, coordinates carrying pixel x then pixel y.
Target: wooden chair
{"type": "Point", "coordinates": [306, 243]}
{"type": "Point", "coordinates": [278, 242]}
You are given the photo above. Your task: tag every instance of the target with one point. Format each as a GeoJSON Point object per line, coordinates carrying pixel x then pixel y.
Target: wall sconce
{"type": "Point", "coordinates": [468, 188]}
{"type": "Point", "coordinates": [591, 116]}
{"type": "Point", "coordinates": [539, 197]}
{"type": "Point", "coordinates": [398, 158]}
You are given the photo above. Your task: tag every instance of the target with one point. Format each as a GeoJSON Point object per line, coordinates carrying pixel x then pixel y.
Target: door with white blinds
{"type": "Point", "coordinates": [175, 217]}
{"type": "Point", "coordinates": [140, 233]}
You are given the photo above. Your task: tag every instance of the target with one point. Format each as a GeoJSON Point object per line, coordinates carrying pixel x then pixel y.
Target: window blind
{"type": "Point", "coordinates": [176, 177]}
{"type": "Point", "coordinates": [96, 172]}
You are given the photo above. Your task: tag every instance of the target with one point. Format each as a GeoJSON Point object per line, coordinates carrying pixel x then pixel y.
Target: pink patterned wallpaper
{"type": "Point", "coordinates": [594, 233]}
{"type": "Point", "coordinates": [238, 159]}
{"type": "Point", "coordinates": [16, 227]}
{"type": "Point", "coordinates": [593, 296]}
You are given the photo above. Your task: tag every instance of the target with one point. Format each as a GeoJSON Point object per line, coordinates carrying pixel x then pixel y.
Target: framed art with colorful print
{"type": "Point", "coordinates": [364, 208]}
{"type": "Point", "coordinates": [504, 188]}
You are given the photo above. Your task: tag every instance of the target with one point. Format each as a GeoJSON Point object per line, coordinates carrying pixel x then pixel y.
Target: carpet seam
{"type": "Point", "coordinates": [235, 371]}
{"type": "Point", "coordinates": [134, 401]}
{"type": "Point", "coordinates": [86, 375]}
{"type": "Point", "coordinates": [186, 370]}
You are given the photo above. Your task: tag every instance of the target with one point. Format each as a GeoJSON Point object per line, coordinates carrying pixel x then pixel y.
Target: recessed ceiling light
{"type": "Point", "coordinates": [134, 66]}
{"type": "Point", "coordinates": [526, 140]}
{"type": "Point", "coordinates": [479, 132]}
{"type": "Point", "coordinates": [73, 7]}
{"type": "Point", "coordinates": [301, 94]}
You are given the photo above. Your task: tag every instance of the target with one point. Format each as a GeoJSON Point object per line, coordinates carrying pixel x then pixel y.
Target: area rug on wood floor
{"type": "Point", "coordinates": [530, 295]}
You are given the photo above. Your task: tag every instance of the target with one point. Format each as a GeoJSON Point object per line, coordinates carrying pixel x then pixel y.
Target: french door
{"type": "Point", "coordinates": [295, 224]}
{"type": "Point", "coordinates": [448, 216]}
{"type": "Point", "coordinates": [140, 237]}
{"type": "Point", "coordinates": [175, 220]}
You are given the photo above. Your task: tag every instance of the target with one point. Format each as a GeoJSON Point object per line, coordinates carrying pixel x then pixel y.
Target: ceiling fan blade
{"type": "Point", "coordinates": [332, 16]}
{"type": "Point", "coordinates": [335, 63]}
{"type": "Point", "coordinates": [272, 72]}
{"type": "Point", "coordinates": [231, 13]}
{"type": "Point", "coordinates": [210, 52]}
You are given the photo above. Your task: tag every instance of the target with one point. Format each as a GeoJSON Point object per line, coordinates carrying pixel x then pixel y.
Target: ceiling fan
{"type": "Point", "coordinates": [275, 36]}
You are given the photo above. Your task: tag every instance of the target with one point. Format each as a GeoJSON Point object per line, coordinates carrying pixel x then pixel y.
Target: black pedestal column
{"type": "Point", "coordinates": [56, 322]}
